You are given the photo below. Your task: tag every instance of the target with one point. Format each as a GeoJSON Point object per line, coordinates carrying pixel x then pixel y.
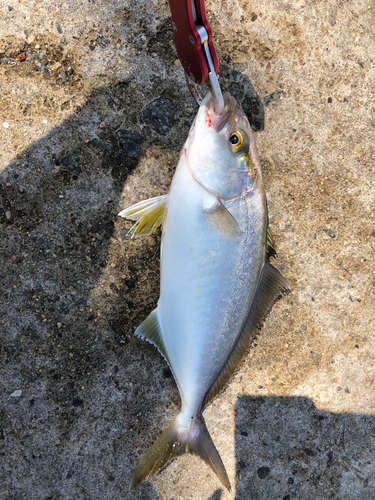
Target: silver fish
{"type": "Point", "coordinates": [216, 281]}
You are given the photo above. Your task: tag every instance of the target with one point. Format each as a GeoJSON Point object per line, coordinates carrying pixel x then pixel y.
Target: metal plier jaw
{"type": "Point", "coordinates": [195, 48]}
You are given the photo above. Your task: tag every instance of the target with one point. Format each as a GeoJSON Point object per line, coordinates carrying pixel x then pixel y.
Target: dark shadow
{"type": "Point", "coordinates": [286, 448]}
{"type": "Point", "coordinates": [92, 393]}
{"type": "Point", "coordinates": [217, 495]}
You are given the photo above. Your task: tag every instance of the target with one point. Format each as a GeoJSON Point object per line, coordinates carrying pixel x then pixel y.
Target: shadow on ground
{"type": "Point", "coordinates": [286, 448]}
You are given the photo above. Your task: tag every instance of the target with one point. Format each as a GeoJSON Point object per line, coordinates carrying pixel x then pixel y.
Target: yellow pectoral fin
{"type": "Point", "coordinates": [148, 214]}
{"type": "Point", "coordinates": [223, 223]}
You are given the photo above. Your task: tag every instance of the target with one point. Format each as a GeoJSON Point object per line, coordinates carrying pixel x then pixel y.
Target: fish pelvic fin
{"type": "Point", "coordinates": [271, 286]}
{"type": "Point", "coordinates": [177, 440]}
{"type": "Point", "coordinates": [148, 214]}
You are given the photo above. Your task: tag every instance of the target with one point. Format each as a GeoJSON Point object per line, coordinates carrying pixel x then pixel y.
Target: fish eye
{"type": "Point", "coordinates": [237, 139]}
{"type": "Point", "coordinates": [234, 139]}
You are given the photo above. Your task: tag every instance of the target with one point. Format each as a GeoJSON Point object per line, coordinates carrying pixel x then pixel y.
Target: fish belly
{"type": "Point", "coordinates": [208, 283]}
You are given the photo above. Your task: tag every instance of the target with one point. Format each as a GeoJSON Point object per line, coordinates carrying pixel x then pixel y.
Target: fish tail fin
{"type": "Point", "coordinates": [166, 447]}
{"type": "Point", "coordinates": [200, 443]}
{"type": "Point", "coordinates": [177, 440]}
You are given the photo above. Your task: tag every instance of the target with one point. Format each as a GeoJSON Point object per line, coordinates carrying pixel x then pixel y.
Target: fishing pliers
{"type": "Point", "coordinates": [195, 48]}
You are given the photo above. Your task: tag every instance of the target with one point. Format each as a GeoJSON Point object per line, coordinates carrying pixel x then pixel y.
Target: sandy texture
{"type": "Point", "coordinates": [91, 121]}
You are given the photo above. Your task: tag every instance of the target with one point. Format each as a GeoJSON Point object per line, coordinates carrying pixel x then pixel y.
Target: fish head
{"type": "Point", "coordinates": [221, 152]}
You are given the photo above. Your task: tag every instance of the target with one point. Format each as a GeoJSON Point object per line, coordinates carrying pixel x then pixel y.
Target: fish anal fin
{"type": "Point", "coordinates": [148, 214]}
{"type": "Point", "coordinates": [150, 330]}
{"type": "Point", "coordinates": [176, 441]}
{"type": "Point", "coordinates": [223, 223]}
{"type": "Point", "coordinates": [272, 284]}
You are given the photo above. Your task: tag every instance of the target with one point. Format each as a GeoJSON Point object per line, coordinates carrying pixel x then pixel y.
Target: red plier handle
{"type": "Point", "coordinates": [195, 48]}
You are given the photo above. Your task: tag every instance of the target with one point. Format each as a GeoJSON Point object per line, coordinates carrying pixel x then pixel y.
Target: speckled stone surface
{"type": "Point", "coordinates": [95, 123]}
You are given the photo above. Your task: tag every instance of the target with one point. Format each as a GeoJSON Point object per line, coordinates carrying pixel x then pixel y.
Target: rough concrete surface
{"type": "Point", "coordinates": [92, 118]}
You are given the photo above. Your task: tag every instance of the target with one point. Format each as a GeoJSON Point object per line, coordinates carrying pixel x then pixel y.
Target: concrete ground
{"type": "Point", "coordinates": [93, 120]}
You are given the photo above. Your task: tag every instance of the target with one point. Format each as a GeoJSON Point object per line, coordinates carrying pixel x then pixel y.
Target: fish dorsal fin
{"type": "Point", "coordinates": [271, 246]}
{"type": "Point", "coordinates": [150, 330]}
{"type": "Point", "coordinates": [272, 284]}
{"type": "Point", "coordinates": [223, 223]}
{"type": "Point", "coordinates": [148, 214]}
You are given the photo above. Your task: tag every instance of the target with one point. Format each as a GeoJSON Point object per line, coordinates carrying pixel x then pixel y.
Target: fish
{"type": "Point", "coordinates": [216, 281]}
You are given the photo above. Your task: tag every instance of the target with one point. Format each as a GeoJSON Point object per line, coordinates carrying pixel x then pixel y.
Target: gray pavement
{"type": "Point", "coordinates": [92, 121]}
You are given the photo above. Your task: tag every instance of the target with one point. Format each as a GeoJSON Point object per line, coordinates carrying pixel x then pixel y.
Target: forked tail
{"type": "Point", "coordinates": [177, 440]}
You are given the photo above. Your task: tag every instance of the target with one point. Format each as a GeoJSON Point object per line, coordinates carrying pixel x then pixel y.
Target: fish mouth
{"type": "Point", "coordinates": [215, 119]}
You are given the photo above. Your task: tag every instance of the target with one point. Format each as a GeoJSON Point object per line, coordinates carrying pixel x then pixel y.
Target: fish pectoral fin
{"type": "Point", "coordinates": [148, 214]}
{"type": "Point", "coordinates": [223, 223]}
{"type": "Point", "coordinates": [150, 330]}
{"type": "Point", "coordinates": [271, 285]}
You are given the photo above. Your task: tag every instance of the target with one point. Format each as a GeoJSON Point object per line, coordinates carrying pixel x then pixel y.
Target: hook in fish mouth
{"type": "Point", "coordinates": [215, 119]}
{"type": "Point", "coordinates": [214, 92]}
